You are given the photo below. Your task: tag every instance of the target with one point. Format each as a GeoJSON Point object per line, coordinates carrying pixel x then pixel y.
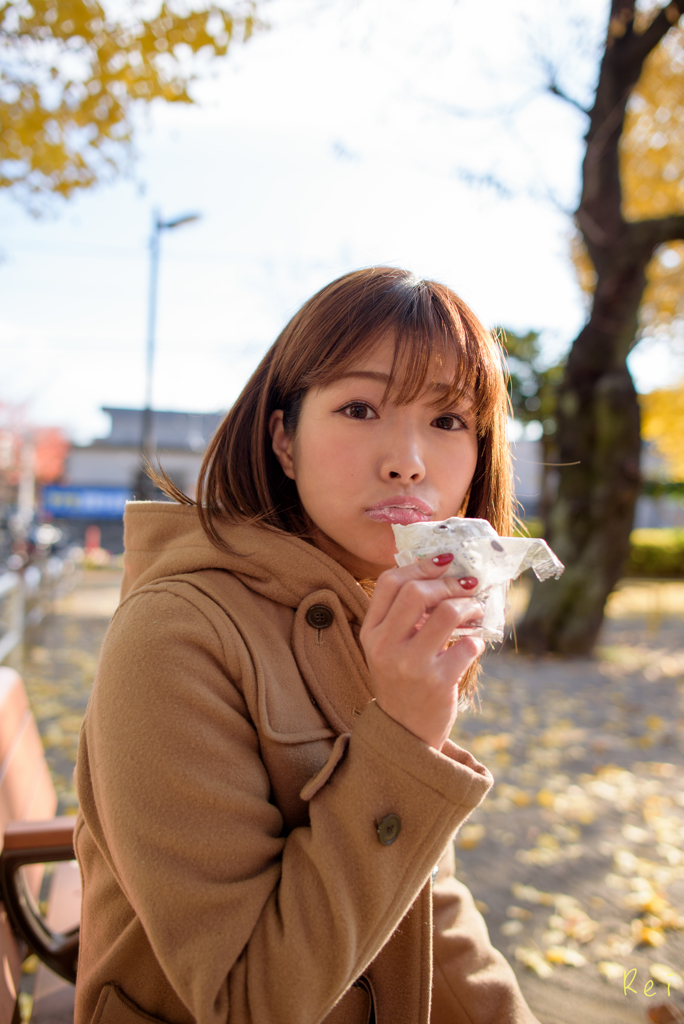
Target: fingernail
{"type": "Point", "coordinates": [443, 559]}
{"type": "Point", "coordinates": [468, 582]}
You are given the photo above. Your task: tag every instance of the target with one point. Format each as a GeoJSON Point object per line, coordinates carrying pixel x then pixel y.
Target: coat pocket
{"type": "Point", "coordinates": [354, 1008]}
{"type": "Point", "coordinates": [114, 1007]}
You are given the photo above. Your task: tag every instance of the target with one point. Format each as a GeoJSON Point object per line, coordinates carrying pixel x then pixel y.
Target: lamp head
{"type": "Point", "coordinates": [186, 218]}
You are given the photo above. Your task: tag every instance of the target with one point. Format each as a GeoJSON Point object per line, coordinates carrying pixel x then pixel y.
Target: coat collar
{"type": "Point", "coordinates": [163, 539]}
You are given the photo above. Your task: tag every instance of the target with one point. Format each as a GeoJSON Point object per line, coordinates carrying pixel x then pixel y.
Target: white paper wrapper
{"type": "Point", "coordinates": [478, 551]}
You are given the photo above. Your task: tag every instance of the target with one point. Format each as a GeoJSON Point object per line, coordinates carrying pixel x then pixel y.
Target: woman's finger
{"type": "Point", "coordinates": [390, 584]}
{"type": "Point", "coordinates": [416, 600]}
{"type": "Point", "coordinates": [451, 613]}
{"type": "Point", "coordinates": [455, 661]}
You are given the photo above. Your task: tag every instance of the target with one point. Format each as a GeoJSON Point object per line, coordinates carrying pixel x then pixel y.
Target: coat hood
{"type": "Point", "coordinates": [163, 539]}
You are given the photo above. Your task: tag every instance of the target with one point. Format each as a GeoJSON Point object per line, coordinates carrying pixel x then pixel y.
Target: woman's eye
{"type": "Point", "coordinates": [449, 423]}
{"type": "Point", "coordinates": [360, 411]}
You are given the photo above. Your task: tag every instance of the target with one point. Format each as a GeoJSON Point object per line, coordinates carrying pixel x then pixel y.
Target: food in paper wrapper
{"type": "Point", "coordinates": [479, 552]}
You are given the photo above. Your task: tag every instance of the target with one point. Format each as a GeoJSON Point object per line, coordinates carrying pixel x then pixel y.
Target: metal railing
{"type": "Point", "coordinates": [26, 597]}
{"type": "Point", "coordinates": [12, 614]}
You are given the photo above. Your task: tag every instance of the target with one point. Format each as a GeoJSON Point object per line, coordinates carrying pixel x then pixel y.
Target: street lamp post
{"type": "Point", "coordinates": [147, 441]}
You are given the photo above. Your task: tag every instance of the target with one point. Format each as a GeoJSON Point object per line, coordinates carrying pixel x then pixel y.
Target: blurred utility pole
{"type": "Point", "coordinates": [145, 487]}
{"type": "Point", "coordinates": [26, 497]}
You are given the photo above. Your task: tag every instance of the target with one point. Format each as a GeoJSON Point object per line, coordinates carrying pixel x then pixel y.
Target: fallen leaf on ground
{"type": "Point", "coordinates": [529, 894]}
{"type": "Point", "coordinates": [666, 976]}
{"type": "Point", "coordinates": [532, 959]}
{"type": "Point", "coordinates": [664, 1013]}
{"type": "Point", "coordinates": [521, 913]}
{"type": "Point", "coordinates": [511, 928]}
{"type": "Point", "coordinates": [609, 970]}
{"type": "Point", "coordinates": [643, 935]}
{"type": "Point", "coordinates": [565, 955]}
{"type": "Point", "coordinates": [470, 836]}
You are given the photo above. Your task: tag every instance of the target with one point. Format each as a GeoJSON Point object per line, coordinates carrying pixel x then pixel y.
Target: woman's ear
{"type": "Point", "coordinates": [281, 443]}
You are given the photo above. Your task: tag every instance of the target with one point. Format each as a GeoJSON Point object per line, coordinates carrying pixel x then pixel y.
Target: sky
{"type": "Point", "coordinates": [350, 133]}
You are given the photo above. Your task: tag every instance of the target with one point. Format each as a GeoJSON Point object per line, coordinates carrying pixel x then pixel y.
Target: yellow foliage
{"type": "Point", "coordinates": [662, 415]}
{"type": "Point", "coordinates": [70, 74]}
{"type": "Point", "coordinates": [663, 298]}
{"type": "Point", "coordinates": [652, 172]}
{"type": "Point", "coordinates": [652, 142]}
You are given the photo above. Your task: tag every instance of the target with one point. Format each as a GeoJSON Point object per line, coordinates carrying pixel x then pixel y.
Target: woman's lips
{"type": "Point", "coordinates": [400, 510]}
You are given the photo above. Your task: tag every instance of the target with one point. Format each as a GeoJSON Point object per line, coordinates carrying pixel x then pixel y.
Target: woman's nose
{"type": "Point", "coordinates": [404, 464]}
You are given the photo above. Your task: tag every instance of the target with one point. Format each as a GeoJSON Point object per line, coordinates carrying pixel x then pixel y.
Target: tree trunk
{"type": "Point", "coordinates": [598, 440]}
{"type": "Point", "coordinates": [598, 445]}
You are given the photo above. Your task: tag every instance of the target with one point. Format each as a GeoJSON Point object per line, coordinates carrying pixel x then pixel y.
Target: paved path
{"type": "Point", "coordinates": [59, 669]}
{"type": "Point", "coordinates": [577, 857]}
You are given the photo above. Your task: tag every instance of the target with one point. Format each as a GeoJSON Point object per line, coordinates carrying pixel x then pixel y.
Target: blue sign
{"type": "Point", "coordinates": [86, 502]}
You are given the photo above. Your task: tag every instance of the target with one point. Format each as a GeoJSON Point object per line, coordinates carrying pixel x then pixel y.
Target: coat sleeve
{"type": "Point", "coordinates": [246, 923]}
{"type": "Point", "coordinates": [472, 981]}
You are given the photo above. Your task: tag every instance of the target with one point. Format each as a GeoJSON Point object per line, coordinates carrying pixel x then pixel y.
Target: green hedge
{"type": "Point", "coordinates": [656, 553]}
{"type": "Point", "coordinates": [652, 552]}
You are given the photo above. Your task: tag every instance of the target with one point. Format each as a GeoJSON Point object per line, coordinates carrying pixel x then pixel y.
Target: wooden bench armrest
{"type": "Point", "coordinates": [39, 835]}
{"type": "Point", "coordinates": [37, 842]}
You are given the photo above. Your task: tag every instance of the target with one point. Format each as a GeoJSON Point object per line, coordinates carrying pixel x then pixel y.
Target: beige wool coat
{"type": "Point", "coordinates": [237, 784]}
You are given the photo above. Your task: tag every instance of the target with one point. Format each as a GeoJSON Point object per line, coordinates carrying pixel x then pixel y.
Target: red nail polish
{"type": "Point", "coordinates": [468, 582]}
{"type": "Point", "coordinates": [443, 559]}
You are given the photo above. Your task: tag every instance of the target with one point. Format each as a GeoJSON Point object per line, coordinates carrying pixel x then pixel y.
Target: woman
{"type": "Point", "coordinates": [265, 775]}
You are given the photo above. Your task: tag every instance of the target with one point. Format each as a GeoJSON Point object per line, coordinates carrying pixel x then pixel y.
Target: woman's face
{"type": "Point", "coordinates": [360, 466]}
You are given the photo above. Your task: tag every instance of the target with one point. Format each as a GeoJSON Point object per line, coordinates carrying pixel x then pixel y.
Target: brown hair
{"type": "Point", "coordinates": [241, 479]}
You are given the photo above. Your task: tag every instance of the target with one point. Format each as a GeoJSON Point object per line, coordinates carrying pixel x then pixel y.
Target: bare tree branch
{"type": "Point", "coordinates": [660, 229]}
{"type": "Point", "coordinates": [557, 91]}
{"type": "Point", "coordinates": [484, 179]}
{"type": "Point", "coordinates": [641, 45]}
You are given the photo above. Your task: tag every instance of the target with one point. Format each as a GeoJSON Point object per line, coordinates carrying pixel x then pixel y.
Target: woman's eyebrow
{"type": "Point", "coordinates": [440, 389]}
{"type": "Point", "coordinates": [381, 378]}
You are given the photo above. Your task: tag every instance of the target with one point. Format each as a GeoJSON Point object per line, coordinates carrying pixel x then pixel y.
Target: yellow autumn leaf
{"type": "Point", "coordinates": [665, 975]}
{"type": "Point", "coordinates": [610, 970]}
{"type": "Point", "coordinates": [565, 955]}
{"type": "Point", "coordinates": [533, 959]}
{"type": "Point", "coordinates": [470, 836]}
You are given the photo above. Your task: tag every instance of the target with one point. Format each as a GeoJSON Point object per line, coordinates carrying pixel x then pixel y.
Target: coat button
{"type": "Point", "coordinates": [320, 616]}
{"type": "Point", "coordinates": [389, 828]}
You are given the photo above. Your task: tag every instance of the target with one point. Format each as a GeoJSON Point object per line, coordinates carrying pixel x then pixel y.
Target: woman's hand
{"type": "Point", "coordinates": [411, 616]}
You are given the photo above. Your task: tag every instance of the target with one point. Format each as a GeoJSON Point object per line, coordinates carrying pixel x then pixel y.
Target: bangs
{"type": "Point", "coordinates": [437, 342]}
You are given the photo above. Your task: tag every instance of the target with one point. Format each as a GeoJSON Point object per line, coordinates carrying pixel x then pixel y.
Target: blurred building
{"type": "Point", "coordinates": [101, 476]}
{"type": "Point", "coordinates": [114, 460]}
{"type": "Point", "coordinates": [664, 510]}
{"type": "Point", "coordinates": [527, 475]}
